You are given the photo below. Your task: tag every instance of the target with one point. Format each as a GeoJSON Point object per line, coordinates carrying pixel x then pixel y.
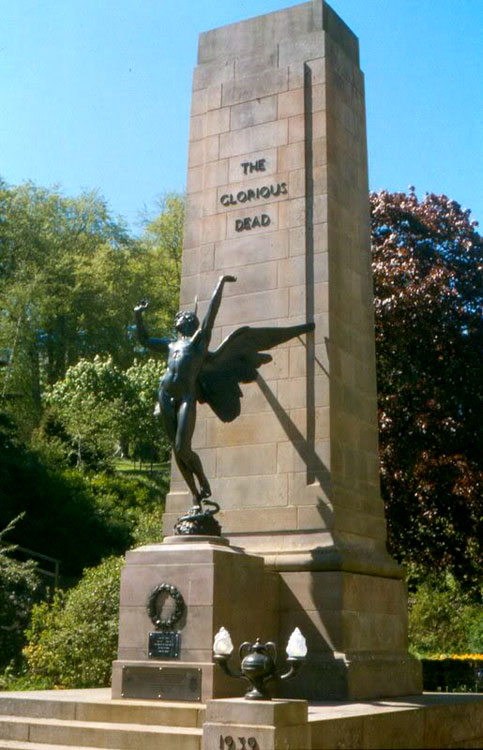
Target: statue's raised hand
{"type": "Point", "coordinates": [143, 305]}
{"type": "Point", "coordinates": [228, 278]}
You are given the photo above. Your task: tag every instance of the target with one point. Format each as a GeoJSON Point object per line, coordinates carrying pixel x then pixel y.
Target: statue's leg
{"type": "Point", "coordinates": [184, 434]}
{"type": "Point", "coordinates": [170, 421]}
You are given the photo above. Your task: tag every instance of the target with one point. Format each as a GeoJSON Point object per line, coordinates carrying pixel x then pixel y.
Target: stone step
{"type": "Point", "coordinates": [97, 705]}
{"type": "Point", "coordinates": [97, 734]}
{"type": "Point", "coordinates": [14, 745]}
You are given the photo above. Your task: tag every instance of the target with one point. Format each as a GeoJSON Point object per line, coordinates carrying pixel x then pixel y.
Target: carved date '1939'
{"type": "Point", "coordinates": [243, 743]}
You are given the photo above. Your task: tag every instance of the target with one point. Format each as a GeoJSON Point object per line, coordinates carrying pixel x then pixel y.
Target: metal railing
{"type": "Point", "coordinates": [55, 574]}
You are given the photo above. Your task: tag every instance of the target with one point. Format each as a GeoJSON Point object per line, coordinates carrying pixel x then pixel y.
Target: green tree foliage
{"type": "Point", "coordinates": [104, 409]}
{"type": "Point", "coordinates": [442, 618]}
{"type": "Point", "coordinates": [144, 435]}
{"type": "Point", "coordinates": [160, 262]}
{"type": "Point", "coordinates": [63, 284]}
{"type": "Point", "coordinates": [69, 278]}
{"type": "Point", "coordinates": [427, 257]}
{"type": "Point", "coordinates": [94, 403]}
{"type": "Point", "coordinates": [19, 589]}
{"type": "Point", "coordinates": [72, 642]}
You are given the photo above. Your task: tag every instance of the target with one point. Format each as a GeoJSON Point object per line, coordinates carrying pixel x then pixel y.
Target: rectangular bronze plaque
{"type": "Point", "coordinates": [164, 645]}
{"type": "Point", "coordinates": [164, 683]}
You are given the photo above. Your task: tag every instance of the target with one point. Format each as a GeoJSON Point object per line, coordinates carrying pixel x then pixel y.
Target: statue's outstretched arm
{"type": "Point", "coordinates": [158, 345]}
{"type": "Point", "coordinates": [214, 306]}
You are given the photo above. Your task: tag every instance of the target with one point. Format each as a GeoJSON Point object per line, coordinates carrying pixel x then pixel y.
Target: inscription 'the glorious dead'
{"type": "Point", "coordinates": [249, 194]}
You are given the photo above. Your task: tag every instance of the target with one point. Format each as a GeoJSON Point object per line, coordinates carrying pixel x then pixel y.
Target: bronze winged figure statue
{"type": "Point", "coordinates": [196, 374]}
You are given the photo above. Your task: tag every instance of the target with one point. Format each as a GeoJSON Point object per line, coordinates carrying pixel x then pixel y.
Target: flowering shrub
{"type": "Point", "coordinates": [73, 640]}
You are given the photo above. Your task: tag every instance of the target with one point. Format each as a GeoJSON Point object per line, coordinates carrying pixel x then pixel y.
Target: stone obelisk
{"type": "Point", "coordinates": [278, 196]}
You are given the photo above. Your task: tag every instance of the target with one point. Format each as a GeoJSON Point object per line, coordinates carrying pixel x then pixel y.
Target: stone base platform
{"type": "Point", "coordinates": [430, 720]}
{"type": "Point", "coordinates": [81, 719]}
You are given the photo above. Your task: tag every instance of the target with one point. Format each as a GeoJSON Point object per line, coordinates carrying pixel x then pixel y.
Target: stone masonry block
{"type": "Point", "coordinates": [253, 112]}
{"type": "Point", "coordinates": [212, 147]}
{"type": "Point", "coordinates": [291, 157]}
{"type": "Point", "coordinates": [199, 102]}
{"type": "Point", "coordinates": [196, 154]}
{"type": "Point", "coordinates": [218, 121]}
{"type": "Point", "coordinates": [296, 129]}
{"type": "Point", "coordinates": [254, 400]}
{"type": "Point", "coordinates": [296, 73]}
{"type": "Point", "coordinates": [194, 180]}
{"type": "Point", "coordinates": [213, 96]}
{"type": "Point", "coordinates": [296, 183]}
{"type": "Point", "coordinates": [255, 307]}
{"type": "Point", "coordinates": [213, 228]}
{"type": "Point", "coordinates": [291, 103]}
{"type": "Point", "coordinates": [255, 278]}
{"type": "Point", "coordinates": [259, 33]}
{"type": "Point", "coordinates": [249, 459]}
{"type": "Point", "coordinates": [322, 421]}
{"type": "Point", "coordinates": [292, 393]}
{"type": "Point", "coordinates": [310, 517]}
{"type": "Point", "coordinates": [265, 135]}
{"type": "Point", "coordinates": [192, 234]}
{"type": "Point", "coordinates": [307, 47]}
{"type": "Point", "coordinates": [197, 127]}
{"type": "Point", "coordinates": [264, 59]}
{"type": "Point", "coordinates": [297, 457]}
{"type": "Point", "coordinates": [293, 272]}
{"type": "Point", "coordinates": [215, 174]}
{"type": "Point", "coordinates": [255, 87]}
{"type": "Point", "coordinates": [201, 203]}
{"type": "Point", "coordinates": [265, 519]}
{"type": "Point", "coordinates": [251, 249]}
{"type": "Point", "coordinates": [292, 213]}
{"type": "Point", "coordinates": [318, 96]}
{"type": "Point", "coordinates": [208, 75]}
{"type": "Point", "coordinates": [246, 430]}
{"type": "Point", "coordinates": [248, 491]}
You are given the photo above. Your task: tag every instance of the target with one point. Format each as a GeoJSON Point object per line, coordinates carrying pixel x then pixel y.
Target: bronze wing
{"type": "Point", "coordinates": [236, 361]}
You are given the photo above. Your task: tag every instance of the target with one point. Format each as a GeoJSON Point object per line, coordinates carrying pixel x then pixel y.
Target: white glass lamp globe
{"type": "Point", "coordinates": [297, 645]}
{"type": "Point", "coordinates": [222, 645]}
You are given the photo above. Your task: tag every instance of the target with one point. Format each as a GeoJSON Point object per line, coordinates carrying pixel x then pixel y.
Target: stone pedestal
{"type": "Point", "coordinates": [258, 725]}
{"type": "Point", "coordinates": [221, 586]}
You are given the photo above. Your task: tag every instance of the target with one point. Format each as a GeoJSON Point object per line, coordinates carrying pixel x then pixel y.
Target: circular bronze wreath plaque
{"type": "Point", "coordinates": [155, 615]}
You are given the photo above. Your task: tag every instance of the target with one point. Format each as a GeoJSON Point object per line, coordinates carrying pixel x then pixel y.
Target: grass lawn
{"type": "Point", "coordinates": [127, 466]}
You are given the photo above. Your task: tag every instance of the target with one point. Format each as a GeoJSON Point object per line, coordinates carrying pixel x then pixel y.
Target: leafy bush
{"type": "Point", "coordinates": [19, 588]}
{"type": "Point", "coordinates": [73, 640]}
{"type": "Point", "coordinates": [443, 619]}
{"type": "Point", "coordinates": [458, 674]}
{"type": "Point", "coordinates": [125, 502]}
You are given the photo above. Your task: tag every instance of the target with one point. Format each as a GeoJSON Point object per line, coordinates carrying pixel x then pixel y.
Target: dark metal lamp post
{"type": "Point", "coordinates": [258, 661]}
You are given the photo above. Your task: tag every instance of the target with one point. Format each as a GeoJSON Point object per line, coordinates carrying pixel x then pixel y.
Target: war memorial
{"type": "Point", "coordinates": [274, 519]}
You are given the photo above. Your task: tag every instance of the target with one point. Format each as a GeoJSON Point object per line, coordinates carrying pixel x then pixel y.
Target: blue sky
{"type": "Point", "coordinates": [95, 94]}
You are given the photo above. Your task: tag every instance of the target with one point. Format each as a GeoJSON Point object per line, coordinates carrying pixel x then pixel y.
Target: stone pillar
{"type": "Point", "coordinates": [278, 145]}
{"type": "Point", "coordinates": [278, 195]}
